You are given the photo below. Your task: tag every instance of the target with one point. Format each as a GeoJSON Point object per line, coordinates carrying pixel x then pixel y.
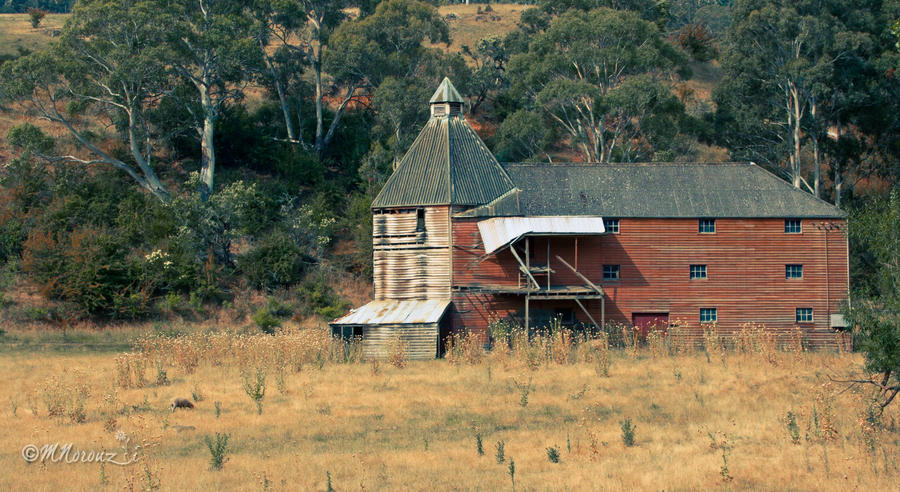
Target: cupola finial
{"type": "Point", "coordinates": [446, 100]}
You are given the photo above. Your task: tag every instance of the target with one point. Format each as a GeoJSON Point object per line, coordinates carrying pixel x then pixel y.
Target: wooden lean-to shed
{"type": "Point", "coordinates": [414, 323]}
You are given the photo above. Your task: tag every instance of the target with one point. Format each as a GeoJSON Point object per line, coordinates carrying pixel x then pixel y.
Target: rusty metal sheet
{"type": "Point", "coordinates": [501, 231]}
{"type": "Point", "coordinates": [392, 312]}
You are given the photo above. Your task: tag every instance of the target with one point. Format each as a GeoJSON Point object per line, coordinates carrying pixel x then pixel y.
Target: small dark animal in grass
{"type": "Point", "coordinates": [181, 403]}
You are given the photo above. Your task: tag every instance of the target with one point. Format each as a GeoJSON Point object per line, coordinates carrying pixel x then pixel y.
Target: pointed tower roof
{"type": "Point", "coordinates": [447, 164]}
{"type": "Point", "coordinates": [446, 93]}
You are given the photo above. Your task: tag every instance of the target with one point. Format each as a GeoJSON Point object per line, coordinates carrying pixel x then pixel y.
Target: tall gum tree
{"type": "Point", "coordinates": [105, 64]}
{"type": "Point", "coordinates": [213, 47]}
{"type": "Point", "coordinates": [800, 89]}
{"type": "Point", "coordinates": [572, 72]}
{"type": "Point", "coordinates": [301, 29]}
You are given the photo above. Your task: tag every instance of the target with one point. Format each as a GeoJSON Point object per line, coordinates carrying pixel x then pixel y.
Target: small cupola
{"type": "Point", "coordinates": [446, 101]}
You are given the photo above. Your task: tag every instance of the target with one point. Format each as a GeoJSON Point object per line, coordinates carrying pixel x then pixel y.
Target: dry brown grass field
{"type": "Point", "coordinates": [16, 32]}
{"type": "Point", "coordinates": [407, 425]}
{"type": "Point", "coordinates": [467, 26]}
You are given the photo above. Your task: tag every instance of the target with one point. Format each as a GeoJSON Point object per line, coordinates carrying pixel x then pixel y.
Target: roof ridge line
{"type": "Point", "coordinates": [450, 188]}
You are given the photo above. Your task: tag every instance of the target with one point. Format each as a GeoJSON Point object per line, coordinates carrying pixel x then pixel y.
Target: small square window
{"type": "Point", "coordinates": [792, 226]}
{"type": "Point", "coordinates": [698, 271]}
{"type": "Point", "coordinates": [709, 315]}
{"type": "Point", "coordinates": [793, 271]}
{"type": "Point", "coordinates": [611, 225]}
{"type": "Point", "coordinates": [707, 226]}
{"type": "Point", "coordinates": [610, 272]}
{"type": "Point", "coordinates": [804, 315]}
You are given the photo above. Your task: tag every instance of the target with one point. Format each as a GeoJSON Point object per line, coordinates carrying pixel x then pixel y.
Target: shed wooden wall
{"type": "Point", "coordinates": [745, 262]}
{"type": "Point", "coordinates": [408, 264]}
{"type": "Point", "coordinates": [420, 341]}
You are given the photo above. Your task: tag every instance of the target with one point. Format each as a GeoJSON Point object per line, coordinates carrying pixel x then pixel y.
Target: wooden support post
{"type": "Point", "coordinates": [603, 311]}
{"type": "Point", "coordinates": [522, 263]}
{"type": "Point", "coordinates": [586, 312]}
{"type": "Point", "coordinates": [582, 277]}
{"type": "Point", "coordinates": [526, 313]}
{"type": "Point", "coordinates": [548, 263]}
{"type": "Point", "coordinates": [527, 254]}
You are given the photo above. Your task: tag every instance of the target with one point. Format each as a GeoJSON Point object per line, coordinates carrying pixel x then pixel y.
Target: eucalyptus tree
{"type": "Point", "coordinates": [384, 55]}
{"type": "Point", "coordinates": [575, 73]}
{"type": "Point", "coordinates": [300, 31]}
{"type": "Point", "coordinates": [799, 81]}
{"type": "Point", "coordinates": [106, 65]}
{"type": "Point", "coordinates": [875, 234]}
{"type": "Point", "coordinates": [212, 46]}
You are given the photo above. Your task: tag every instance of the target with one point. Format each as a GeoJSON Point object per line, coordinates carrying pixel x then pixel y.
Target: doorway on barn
{"type": "Point", "coordinates": [647, 322]}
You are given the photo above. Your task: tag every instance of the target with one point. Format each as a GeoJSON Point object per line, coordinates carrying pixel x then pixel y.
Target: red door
{"type": "Point", "coordinates": [650, 321]}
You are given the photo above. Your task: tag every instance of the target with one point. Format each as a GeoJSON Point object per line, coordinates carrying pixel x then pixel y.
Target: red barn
{"type": "Point", "coordinates": [461, 240]}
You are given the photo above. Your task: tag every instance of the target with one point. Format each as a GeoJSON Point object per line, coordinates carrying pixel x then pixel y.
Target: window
{"type": "Point", "coordinates": [804, 315]}
{"type": "Point", "coordinates": [792, 226]}
{"type": "Point", "coordinates": [611, 225]}
{"type": "Point", "coordinates": [610, 272]}
{"type": "Point", "coordinates": [698, 271]}
{"type": "Point", "coordinates": [347, 333]}
{"type": "Point", "coordinates": [420, 219]}
{"type": "Point", "coordinates": [707, 226]}
{"type": "Point", "coordinates": [708, 315]}
{"type": "Point", "coordinates": [793, 271]}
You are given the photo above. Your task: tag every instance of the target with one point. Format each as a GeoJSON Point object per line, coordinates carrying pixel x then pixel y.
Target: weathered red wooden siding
{"type": "Point", "coordinates": [745, 262]}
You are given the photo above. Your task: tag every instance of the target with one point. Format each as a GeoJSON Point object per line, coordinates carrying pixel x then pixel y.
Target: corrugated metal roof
{"type": "Point", "coordinates": [446, 93]}
{"type": "Point", "coordinates": [500, 231]}
{"type": "Point", "coordinates": [392, 312]}
{"type": "Point", "coordinates": [662, 190]}
{"type": "Point", "coordinates": [505, 205]}
{"type": "Point", "coordinates": [448, 164]}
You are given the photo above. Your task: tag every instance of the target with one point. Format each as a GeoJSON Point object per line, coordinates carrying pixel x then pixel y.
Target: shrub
{"type": "Point", "coordinates": [218, 450]}
{"type": "Point", "coordinates": [320, 297]}
{"type": "Point", "coordinates": [270, 316]}
{"type": "Point", "coordinates": [89, 268]}
{"type": "Point", "coordinates": [628, 432]}
{"type": "Point", "coordinates": [276, 261]}
{"type": "Point", "coordinates": [210, 227]}
{"type": "Point", "coordinates": [255, 387]}
{"type": "Point", "coordinates": [553, 454]}
{"type": "Point", "coordinates": [12, 235]}
{"type": "Point", "coordinates": [36, 16]}
{"type": "Point", "coordinates": [397, 355]}
{"type": "Point", "coordinates": [265, 321]}
{"type": "Point", "coordinates": [697, 40]}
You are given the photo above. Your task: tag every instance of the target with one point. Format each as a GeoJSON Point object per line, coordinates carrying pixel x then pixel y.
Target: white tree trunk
{"type": "Point", "coordinates": [207, 149]}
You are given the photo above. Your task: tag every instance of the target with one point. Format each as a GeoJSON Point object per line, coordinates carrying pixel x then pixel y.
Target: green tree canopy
{"type": "Point", "coordinates": [576, 71]}
{"type": "Point", "coordinates": [800, 89]}
{"type": "Point", "coordinates": [107, 62]}
{"type": "Point", "coordinates": [875, 311]}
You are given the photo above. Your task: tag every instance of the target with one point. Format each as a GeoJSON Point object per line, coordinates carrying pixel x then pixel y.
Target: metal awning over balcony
{"type": "Point", "coordinates": [498, 232]}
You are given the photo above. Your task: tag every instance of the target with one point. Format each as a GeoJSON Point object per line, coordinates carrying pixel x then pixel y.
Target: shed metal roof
{"type": "Point", "coordinates": [448, 164]}
{"type": "Point", "coordinates": [500, 231]}
{"type": "Point", "coordinates": [661, 190]}
{"type": "Point", "coordinates": [393, 312]}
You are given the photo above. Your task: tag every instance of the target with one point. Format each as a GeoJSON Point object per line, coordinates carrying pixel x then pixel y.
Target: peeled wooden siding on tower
{"type": "Point", "coordinates": [410, 263]}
